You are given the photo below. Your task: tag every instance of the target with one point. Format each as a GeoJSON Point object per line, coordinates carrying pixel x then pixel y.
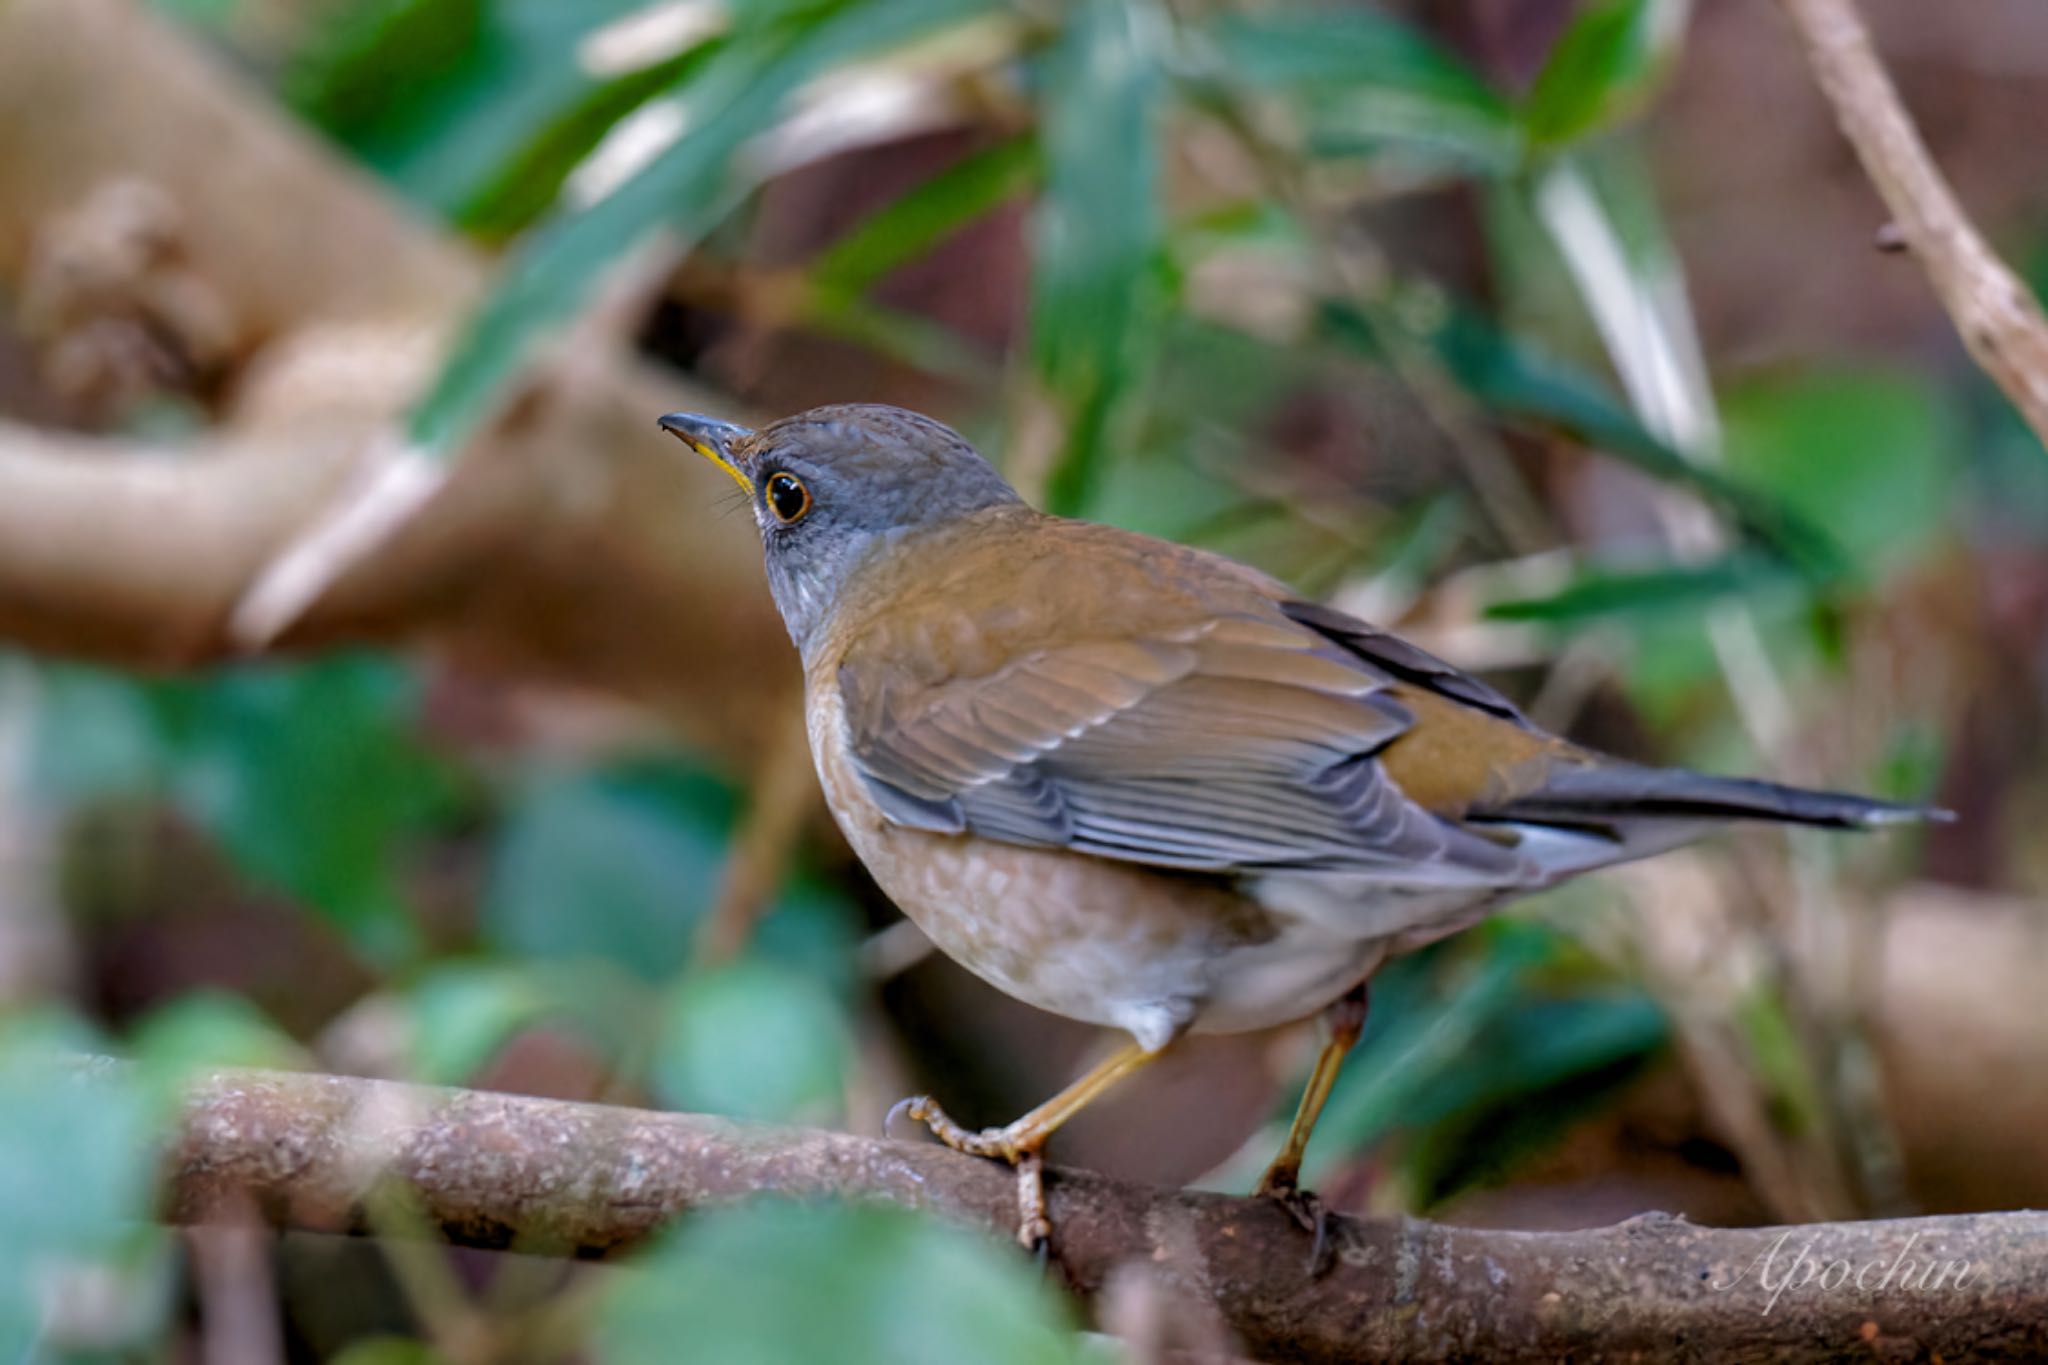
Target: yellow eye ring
{"type": "Point", "coordinates": [787, 498]}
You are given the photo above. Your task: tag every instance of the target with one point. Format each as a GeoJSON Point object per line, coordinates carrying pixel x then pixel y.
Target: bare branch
{"type": "Point", "coordinates": [1999, 318]}
{"type": "Point", "coordinates": [608, 569]}
{"type": "Point", "coordinates": [573, 544]}
{"type": "Point", "coordinates": [97, 90]}
{"type": "Point", "coordinates": [550, 1176]}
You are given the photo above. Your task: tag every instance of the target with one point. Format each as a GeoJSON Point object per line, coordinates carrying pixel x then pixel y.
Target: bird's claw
{"type": "Point", "coordinates": [1001, 1144]}
{"type": "Point", "coordinates": [1309, 1212]}
{"type": "Point", "coordinates": [900, 1111]}
{"type": "Point", "coordinates": [1034, 1223]}
{"type": "Point", "coordinates": [1034, 1226]}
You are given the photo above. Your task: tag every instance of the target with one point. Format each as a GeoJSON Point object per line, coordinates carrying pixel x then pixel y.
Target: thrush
{"type": "Point", "coordinates": [1148, 787]}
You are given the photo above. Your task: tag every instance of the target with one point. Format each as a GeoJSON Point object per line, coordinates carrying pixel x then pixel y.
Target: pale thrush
{"type": "Point", "coordinates": [1148, 787]}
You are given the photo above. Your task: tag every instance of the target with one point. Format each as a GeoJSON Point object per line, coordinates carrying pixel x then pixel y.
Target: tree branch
{"type": "Point", "coordinates": [574, 545]}
{"type": "Point", "coordinates": [1999, 318]}
{"type": "Point", "coordinates": [549, 1176]}
{"type": "Point", "coordinates": [605, 568]}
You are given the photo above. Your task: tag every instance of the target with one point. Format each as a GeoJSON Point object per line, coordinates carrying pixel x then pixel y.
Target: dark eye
{"type": "Point", "coordinates": [788, 499]}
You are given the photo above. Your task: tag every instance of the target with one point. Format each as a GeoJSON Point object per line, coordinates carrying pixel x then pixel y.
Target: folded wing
{"type": "Point", "coordinates": [1241, 743]}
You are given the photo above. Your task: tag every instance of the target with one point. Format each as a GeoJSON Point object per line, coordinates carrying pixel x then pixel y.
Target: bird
{"type": "Point", "coordinates": [1148, 787]}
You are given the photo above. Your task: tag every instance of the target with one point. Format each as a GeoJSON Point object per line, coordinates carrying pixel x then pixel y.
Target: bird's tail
{"type": "Point", "coordinates": [1622, 794]}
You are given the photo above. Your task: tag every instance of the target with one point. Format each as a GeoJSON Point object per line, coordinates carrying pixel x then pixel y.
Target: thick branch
{"type": "Point", "coordinates": [574, 545]}
{"type": "Point", "coordinates": [95, 89]}
{"type": "Point", "coordinates": [498, 1170]}
{"type": "Point", "coordinates": [1999, 318]}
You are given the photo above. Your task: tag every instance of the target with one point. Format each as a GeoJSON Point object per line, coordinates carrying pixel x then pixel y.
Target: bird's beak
{"type": "Point", "coordinates": [712, 439]}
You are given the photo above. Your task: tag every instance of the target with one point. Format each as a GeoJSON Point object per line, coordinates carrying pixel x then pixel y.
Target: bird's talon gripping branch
{"type": "Point", "coordinates": [1308, 1210]}
{"type": "Point", "coordinates": [1034, 1223]}
{"type": "Point", "coordinates": [1017, 1145]}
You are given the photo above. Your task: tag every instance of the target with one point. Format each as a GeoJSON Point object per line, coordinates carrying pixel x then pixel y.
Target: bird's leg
{"type": "Point", "coordinates": [1345, 1020]}
{"type": "Point", "coordinates": [1020, 1143]}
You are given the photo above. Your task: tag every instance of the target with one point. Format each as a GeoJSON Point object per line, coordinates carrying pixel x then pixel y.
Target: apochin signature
{"type": "Point", "coordinates": [1779, 1272]}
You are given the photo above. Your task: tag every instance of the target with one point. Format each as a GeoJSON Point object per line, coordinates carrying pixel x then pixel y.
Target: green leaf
{"type": "Point", "coordinates": [772, 1283]}
{"type": "Point", "coordinates": [1516, 381]}
{"type": "Point", "coordinates": [1781, 1061]}
{"type": "Point", "coordinates": [1097, 233]}
{"type": "Point", "coordinates": [911, 226]}
{"type": "Point", "coordinates": [346, 77]}
{"type": "Point", "coordinates": [95, 736]}
{"type": "Point", "coordinates": [310, 777]}
{"type": "Point", "coordinates": [1364, 83]}
{"type": "Point", "coordinates": [1398, 1063]}
{"type": "Point", "coordinates": [908, 339]}
{"type": "Point", "coordinates": [461, 1014]}
{"type": "Point", "coordinates": [475, 108]}
{"type": "Point", "coordinates": [756, 1040]}
{"type": "Point", "coordinates": [204, 1030]}
{"type": "Point", "coordinates": [77, 1174]}
{"type": "Point", "coordinates": [1538, 1071]}
{"type": "Point", "coordinates": [1602, 592]}
{"type": "Point", "coordinates": [526, 186]}
{"type": "Point", "coordinates": [1542, 1043]}
{"type": "Point", "coordinates": [1870, 452]}
{"type": "Point", "coordinates": [687, 187]}
{"type": "Point", "coordinates": [609, 867]}
{"type": "Point", "coordinates": [210, 13]}
{"type": "Point", "coordinates": [385, 1350]}
{"type": "Point", "coordinates": [313, 781]}
{"type": "Point", "coordinates": [1604, 68]}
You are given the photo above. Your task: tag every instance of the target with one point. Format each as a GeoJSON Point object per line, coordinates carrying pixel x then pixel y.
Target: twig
{"type": "Point", "coordinates": [785, 796]}
{"type": "Point", "coordinates": [588, 1180]}
{"type": "Point", "coordinates": [237, 1297]}
{"type": "Point", "coordinates": [2000, 320]}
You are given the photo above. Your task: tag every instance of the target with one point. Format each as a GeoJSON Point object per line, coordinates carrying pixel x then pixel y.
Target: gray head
{"type": "Point", "coordinates": [830, 486]}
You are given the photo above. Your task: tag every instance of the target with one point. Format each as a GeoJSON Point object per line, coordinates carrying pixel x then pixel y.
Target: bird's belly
{"type": "Point", "coordinates": [1327, 942]}
{"type": "Point", "coordinates": [1101, 942]}
{"type": "Point", "coordinates": [1125, 947]}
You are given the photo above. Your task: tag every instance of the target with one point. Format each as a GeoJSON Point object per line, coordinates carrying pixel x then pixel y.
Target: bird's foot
{"type": "Point", "coordinates": [1307, 1209]}
{"type": "Point", "coordinates": [1011, 1144]}
{"type": "Point", "coordinates": [1034, 1220]}
{"type": "Point", "coordinates": [1016, 1145]}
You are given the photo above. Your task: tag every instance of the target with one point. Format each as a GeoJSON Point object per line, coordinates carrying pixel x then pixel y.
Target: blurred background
{"type": "Point", "coordinates": [380, 693]}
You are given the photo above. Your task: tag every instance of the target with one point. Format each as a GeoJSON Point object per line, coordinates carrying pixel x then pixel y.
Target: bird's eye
{"type": "Point", "coordinates": [788, 499]}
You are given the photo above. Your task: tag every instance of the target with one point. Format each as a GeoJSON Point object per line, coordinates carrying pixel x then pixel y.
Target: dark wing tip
{"type": "Point", "coordinates": [1621, 790]}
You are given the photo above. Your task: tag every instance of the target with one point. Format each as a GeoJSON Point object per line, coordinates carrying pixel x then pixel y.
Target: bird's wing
{"type": "Point", "coordinates": [1254, 739]}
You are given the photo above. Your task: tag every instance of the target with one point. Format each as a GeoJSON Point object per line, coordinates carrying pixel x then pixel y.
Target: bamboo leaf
{"type": "Point", "coordinates": [1604, 68]}
{"type": "Point", "coordinates": [687, 187]}
{"type": "Point", "coordinates": [1603, 592]}
{"type": "Point", "coordinates": [1518, 382]}
{"type": "Point", "coordinates": [911, 226]}
{"type": "Point", "coordinates": [1367, 84]}
{"type": "Point", "coordinates": [1098, 230]}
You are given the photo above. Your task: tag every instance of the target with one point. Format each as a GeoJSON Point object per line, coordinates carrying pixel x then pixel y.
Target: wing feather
{"type": "Point", "coordinates": [1242, 742]}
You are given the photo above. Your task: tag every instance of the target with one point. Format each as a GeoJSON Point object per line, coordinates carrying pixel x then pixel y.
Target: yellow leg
{"type": "Point", "coordinates": [1021, 1143]}
{"type": "Point", "coordinates": [1346, 1019]}
{"type": "Point", "coordinates": [1027, 1135]}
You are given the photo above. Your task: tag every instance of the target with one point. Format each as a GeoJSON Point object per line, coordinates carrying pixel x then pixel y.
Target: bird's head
{"type": "Point", "coordinates": [831, 486]}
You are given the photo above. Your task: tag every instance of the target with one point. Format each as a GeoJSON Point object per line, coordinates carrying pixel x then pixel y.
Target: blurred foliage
{"type": "Point", "coordinates": [1602, 67]}
{"type": "Point", "coordinates": [571, 134]}
{"type": "Point", "coordinates": [779, 1283]}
